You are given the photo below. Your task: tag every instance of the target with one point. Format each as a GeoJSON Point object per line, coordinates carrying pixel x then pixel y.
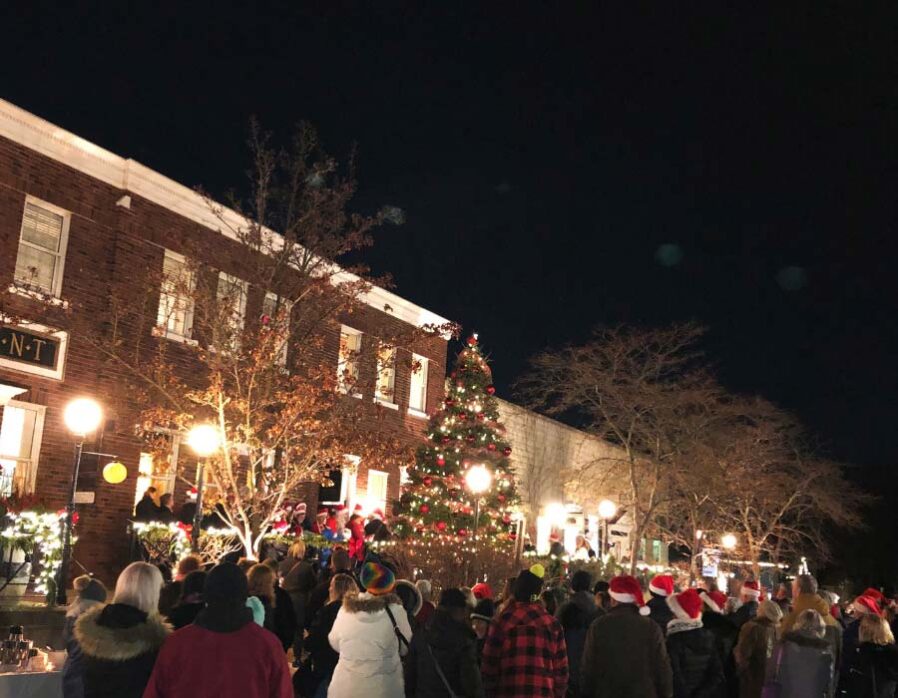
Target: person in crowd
{"type": "Point", "coordinates": [339, 564]}
{"type": "Point", "coordinates": [581, 599]}
{"type": "Point", "coordinates": [862, 606]}
{"type": "Point", "coordinates": [482, 590]}
{"type": "Point", "coordinates": [832, 600]}
{"type": "Point", "coordinates": [802, 665]}
{"type": "Point", "coordinates": [805, 596]}
{"type": "Point", "coordinates": [600, 594]}
{"type": "Point", "coordinates": [89, 593]}
{"type": "Point", "coordinates": [694, 661]}
{"type": "Point", "coordinates": [481, 617]}
{"type": "Point", "coordinates": [873, 670]}
{"type": "Point", "coordinates": [166, 512]}
{"type": "Point", "coordinates": [507, 597]}
{"type": "Point", "coordinates": [757, 638]}
{"type": "Point", "coordinates": [191, 601]}
{"type": "Point", "coordinates": [525, 654]}
{"type": "Point", "coordinates": [469, 595]}
{"type": "Point", "coordinates": [356, 526]}
{"type": "Point", "coordinates": [661, 588]}
{"type": "Point", "coordinates": [575, 623]}
{"type": "Point", "coordinates": [298, 581]}
{"type": "Point", "coordinates": [323, 657]}
{"type": "Point", "coordinates": [171, 592]}
{"type": "Point", "coordinates": [751, 593]}
{"type": "Point", "coordinates": [285, 616]}
{"type": "Point", "coordinates": [223, 653]}
{"type": "Point", "coordinates": [442, 659]}
{"type": "Point", "coordinates": [725, 633]}
{"type": "Point", "coordinates": [781, 597]}
{"type": "Point", "coordinates": [625, 654]}
{"type": "Point", "coordinates": [371, 633]}
{"type": "Point", "coordinates": [556, 547]}
{"type": "Point", "coordinates": [427, 607]}
{"type": "Point", "coordinates": [187, 511]}
{"type": "Point", "coordinates": [262, 581]}
{"type": "Point", "coordinates": [119, 642]}
{"type": "Point", "coordinates": [411, 600]}
{"type": "Point", "coordinates": [376, 529]}
{"type": "Point", "coordinates": [552, 599]}
{"type": "Point", "coordinates": [583, 550]}
{"type": "Point", "coordinates": [147, 509]}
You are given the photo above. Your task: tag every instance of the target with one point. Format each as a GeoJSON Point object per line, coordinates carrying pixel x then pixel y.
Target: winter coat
{"type": "Point", "coordinates": [453, 645]}
{"type": "Point", "coordinates": [725, 636]}
{"type": "Point", "coordinates": [745, 613]}
{"type": "Point", "coordinates": [850, 642]}
{"type": "Point", "coordinates": [802, 666]}
{"type": "Point", "coordinates": [585, 607]}
{"type": "Point", "coordinates": [575, 624]}
{"type": "Point", "coordinates": [299, 581]}
{"type": "Point", "coordinates": [221, 654]}
{"type": "Point", "coordinates": [363, 636]}
{"type": "Point", "coordinates": [625, 657]}
{"type": "Point", "coordinates": [73, 669]}
{"type": "Point", "coordinates": [804, 602]}
{"type": "Point", "coordinates": [757, 640]}
{"type": "Point", "coordinates": [660, 611]}
{"type": "Point", "coordinates": [873, 671]}
{"type": "Point", "coordinates": [184, 614]}
{"type": "Point", "coordinates": [280, 620]}
{"type": "Point", "coordinates": [119, 645]}
{"type": "Point", "coordinates": [696, 666]}
{"type": "Point", "coordinates": [146, 510]}
{"type": "Point", "coordinates": [324, 658]}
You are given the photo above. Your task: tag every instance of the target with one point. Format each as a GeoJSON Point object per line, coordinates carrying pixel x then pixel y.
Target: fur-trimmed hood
{"type": "Point", "coordinates": [119, 633]}
{"type": "Point", "coordinates": [367, 603]}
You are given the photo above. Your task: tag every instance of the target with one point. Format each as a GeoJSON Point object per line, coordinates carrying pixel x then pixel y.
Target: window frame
{"type": "Point", "coordinates": [59, 270]}
{"type": "Point", "coordinates": [144, 481]}
{"type": "Point", "coordinates": [36, 442]}
{"type": "Point", "coordinates": [343, 361]}
{"type": "Point", "coordinates": [423, 374]}
{"type": "Point", "coordinates": [162, 324]}
{"type": "Point", "coordinates": [240, 311]}
{"type": "Point", "coordinates": [371, 500]}
{"type": "Point", "coordinates": [380, 397]}
{"type": "Point", "coordinates": [288, 308]}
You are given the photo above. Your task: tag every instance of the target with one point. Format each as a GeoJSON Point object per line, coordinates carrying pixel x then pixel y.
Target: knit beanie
{"type": "Point", "coordinates": [89, 589]}
{"type": "Point", "coordinates": [529, 584]}
{"type": "Point", "coordinates": [453, 598]}
{"type": "Point", "coordinates": [377, 579]}
{"type": "Point", "coordinates": [225, 583]}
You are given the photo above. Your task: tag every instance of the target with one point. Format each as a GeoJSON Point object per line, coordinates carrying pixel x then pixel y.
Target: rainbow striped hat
{"type": "Point", "coordinates": [377, 579]}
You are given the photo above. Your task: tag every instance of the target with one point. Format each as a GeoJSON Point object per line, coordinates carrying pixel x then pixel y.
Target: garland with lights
{"type": "Point", "coordinates": [36, 530]}
{"type": "Point", "coordinates": [436, 507]}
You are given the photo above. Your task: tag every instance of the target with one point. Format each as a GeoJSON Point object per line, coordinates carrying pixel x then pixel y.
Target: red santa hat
{"type": "Point", "coordinates": [482, 590]}
{"type": "Point", "coordinates": [322, 511]}
{"type": "Point", "coordinates": [876, 595]}
{"type": "Point", "coordinates": [714, 600]}
{"type": "Point", "coordinates": [752, 589]}
{"type": "Point", "coordinates": [340, 508]}
{"type": "Point", "coordinates": [378, 514]}
{"type": "Point", "coordinates": [625, 589]}
{"type": "Point", "coordinates": [686, 605]}
{"type": "Point", "coordinates": [662, 585]}
{"type": "Point", "coordinates": [301, 508]}
{"type": "Point", "coordinates": [867, 604]}
{"type": "Point", "coordinates": [357, 509]}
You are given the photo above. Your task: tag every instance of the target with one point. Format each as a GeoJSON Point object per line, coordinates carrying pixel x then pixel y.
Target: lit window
{"type": "Point", "coordinates": [175, 316]}
{"type": "Point", "coordinates": [348, 359]}
{"type": "Point", "coordinates": [386, 373]}
{"type": "Point", "coordinates": [231, 295]}
{"type": "Point", "coordinates": [377, 489]}
{"type": "Point", "coordinates": [277, 310]}
{"type": "Point", "coordinates": [20, 445]}
{"type": "Point", "coordinates": [42, 243]}
{"type": "Point", "coordinates": [159, 468]}
{"type": "Point", "coordinates": [417, 399]}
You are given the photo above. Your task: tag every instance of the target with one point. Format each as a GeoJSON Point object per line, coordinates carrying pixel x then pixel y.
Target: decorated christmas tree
{"type": "Point", "coordinates": [465, 447]}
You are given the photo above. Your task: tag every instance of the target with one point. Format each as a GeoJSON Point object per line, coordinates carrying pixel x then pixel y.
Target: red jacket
{"type": "Point", "coordinates": [525, 654]}
{"type": "Point", "coordinates": [198, 663]}
{"type": "Point", "coordinates": [357, 540]}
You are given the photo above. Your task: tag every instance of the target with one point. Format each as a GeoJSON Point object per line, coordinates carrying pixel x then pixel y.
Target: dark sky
{"type": "Point", "coordinates": [544, 152]}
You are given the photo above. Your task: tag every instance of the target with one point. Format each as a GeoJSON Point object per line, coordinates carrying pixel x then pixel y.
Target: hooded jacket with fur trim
{"type": "Point", "coordinates": [119, 644]}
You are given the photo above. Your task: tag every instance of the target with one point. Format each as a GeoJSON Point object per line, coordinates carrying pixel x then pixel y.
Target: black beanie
{"type": "Point", "coordinates": [453, 598]}
{"type": "Point", "coordinates": [226, 583]}
{"type": "Point", "coordinates": [527, 586]}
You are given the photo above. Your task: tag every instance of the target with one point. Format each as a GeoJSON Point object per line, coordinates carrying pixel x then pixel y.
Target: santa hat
{"type": "Point", "coordinates": [322, 511]}
{"type": "Point", "coordinates": [301, 508]}
{"type": "Point", "coordinates": [482, 590]}
{"type": "Point", "coordinates": [752, 589]}
{"type": "Point", "coordinates": [686, 605]}
{"type": "Point", "coordinates": [876, 595]}
{"type": "Point", "coordinates": [867, 604]}
{"type": "Point", "coordinates": [662, 585]}
{"type": "Point", "coordinates": [357, 509]}
{"type": "Point", "coordinates": [714, 600]}
{"type": "Point", "coordinates": [378, 514]}
{"type": "Point", "coordinates": [625, 589]}
{"type": "Point", "coordinates": [340, 508]}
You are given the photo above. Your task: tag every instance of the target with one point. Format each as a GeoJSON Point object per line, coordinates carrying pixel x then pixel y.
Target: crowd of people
{"type": "Point", "coordinates": [340, 627]}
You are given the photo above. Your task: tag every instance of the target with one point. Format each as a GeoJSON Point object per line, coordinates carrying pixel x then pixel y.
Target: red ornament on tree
{"type": "Point", "coordinates": [491, 389]}
{"type": "Point", "coordinates": [441, 526]}
{"type": "Point", "coordinates": [506, 451]}
{"type": "Point", "coordinates": [449, 402]}
{"type": "Point", "coordinates": [424, 508]}
{"type": "Point", "coordinates": [428, 481]}
{"type": "Point", "coordinates": [491, 446]}
{"type": "Point", "coordinates": [500, 497]}
{"type": "Point", "coordinates": [472, 341]}
{"type": "Point", "coordinates": [441, 461]}
{"type": "Point", "coordinates": [469, 438]}
{"type": "Point", "coordinates": [480, 416]}
{"type": "Point", "coordinates": [462, 532]}
{"type": "Point", "coordinates": [506, 519]}
{"type": "Point", "coordinates": [446, 439]}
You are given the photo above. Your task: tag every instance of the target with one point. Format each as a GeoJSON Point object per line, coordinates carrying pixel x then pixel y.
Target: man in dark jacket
{"type": "Point", "coordinates": [725, 634]}
{"type": "Point", "coordinates": [661, 588]}
{"type": "Point", "coordinates": [146, 509]}
{"type": "Point", "coordinates": [581, 599]}
{"type": "Point", "coordinates": [444, 653]}
{"type": "Point", "coordinates": [751, 592]}
{"type": "Point", "coordinates": [339, 563]}
{"type": "Point", "coordinates": [697, 670]}
{"type": "Point", "coordinates": [625, 655]}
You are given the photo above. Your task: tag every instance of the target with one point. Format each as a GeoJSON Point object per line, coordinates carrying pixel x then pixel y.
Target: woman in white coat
{"type": "Point", "coordinates": [368, 640]}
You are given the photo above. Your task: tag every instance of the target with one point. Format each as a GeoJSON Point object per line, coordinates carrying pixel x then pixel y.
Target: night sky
{"type": "Point", "coordinates": [560, 167]}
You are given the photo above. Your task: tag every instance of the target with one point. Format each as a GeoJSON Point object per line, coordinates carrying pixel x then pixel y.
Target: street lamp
{"type": "Point", "coordinates": [607, 510]}
{"type": "Point", "coordinates": [205, 440]}
{"type": "Point", "coordinates": [728, 541]}
{"type": "Point", "coordinates": [82, 416]}
{"type": "Point", "coordinates": [478, 480]}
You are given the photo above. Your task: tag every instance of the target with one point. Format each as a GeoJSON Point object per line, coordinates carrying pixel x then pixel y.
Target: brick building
{"type": "Point", "coordinates": [81, 217]}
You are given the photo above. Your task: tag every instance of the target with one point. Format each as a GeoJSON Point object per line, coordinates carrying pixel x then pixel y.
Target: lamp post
{"type": "Point", "coordinates": [204, 439]}
{"type": "Point", "coordinates": [478, 480]}
{"type": "Point", "coordinates": [728, 541]}
{"type": "Point", "coordinates": [82, 416]}
{"type": "Point", "coordinates": [607, 510]}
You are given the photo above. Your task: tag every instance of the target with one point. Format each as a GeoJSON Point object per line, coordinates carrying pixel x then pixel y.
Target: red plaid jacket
{"type": "Point", "coordinates": [524, 655]}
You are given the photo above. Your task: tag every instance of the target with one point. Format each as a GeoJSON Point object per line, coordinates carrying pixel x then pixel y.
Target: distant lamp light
{"type": "Point", "coordinates": [728, 541]}
{"type": "Point", "coordinates": [607, 509]}
{"type": "Point", "coordinates": [115, 472]}
{"type": "Point", "coordinates": [204, 440]}
{"type": "Point", "coordinates": [478, 479]}
{"type": "Point", "coordinates": [556, 513]}
{"type": "Point", "coordinates": [82, 416]}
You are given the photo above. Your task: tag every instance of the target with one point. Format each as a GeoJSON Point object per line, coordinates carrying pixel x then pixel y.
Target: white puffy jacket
{"type": "Point", "coordinates": [363, 635]}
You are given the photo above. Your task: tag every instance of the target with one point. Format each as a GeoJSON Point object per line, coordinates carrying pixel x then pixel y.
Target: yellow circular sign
{"type": "Point", "coordinates": [115, 472]}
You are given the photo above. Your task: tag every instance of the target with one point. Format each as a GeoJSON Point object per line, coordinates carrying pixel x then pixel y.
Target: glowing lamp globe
{"type": "Point", "coordinates": [607, 509]}
{"type": "Point", "coordinates": [478, 479]}
{"type": "Point", "coordinates": [115, 472]}
{"type": "Point", "coordinates": [82, 416]}
{"type": "Point", "coordinates": [728, 541]}
{"type": "Point", "coordinates": [203, 439]}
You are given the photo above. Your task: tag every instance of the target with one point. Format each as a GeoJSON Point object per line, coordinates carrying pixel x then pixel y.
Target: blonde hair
{"type": "Point", "coordinates": [139, 585]}
{"type": "Point", "coordinates": [341, 584]}
{"type": "Point", "coordinates": [875, 629]}
{"type": "Point", "coordinates": [298, 550]}
{"type": "Point", "coordinates": [771, 611]}
{"type": "Point", "coordinates": [810, 624]}
{"type": "Point", "coordinates": [261, 580]}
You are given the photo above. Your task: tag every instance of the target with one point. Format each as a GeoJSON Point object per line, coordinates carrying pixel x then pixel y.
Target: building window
{"type": "Point", "coordinates": [42, 243]}
{"type": "Point", "coordinates": [231, 294]}
{"type": "Point", "coordinates": [348, 360]}
{"type": "Point", "coordinates": [175, 317]}
{"type": "Point", "coordinates": [386, 374]}
{"type": "Point", "coordinates": [21, 431]}
{"type": "Point", "coordinates": [377, 490]}
{"type": "Point", "coordinates": [276, 308]}
{"type": "Point", "coordinates": [417, 399]}
{"type": "Point", "coordinates": [158, 466]}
